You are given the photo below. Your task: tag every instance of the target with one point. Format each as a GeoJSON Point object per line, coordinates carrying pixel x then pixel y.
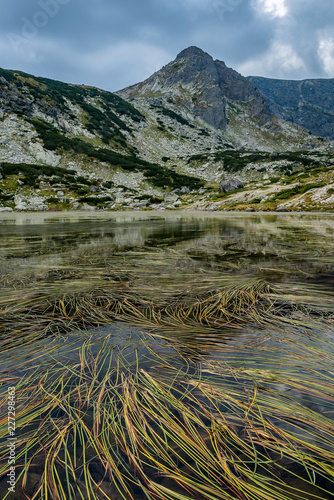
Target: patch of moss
{"type": "Point", "coordinates": [236, 160]}
{"type": "Point", "coordinates": [173, 115]}
{"type": "Point", "coordinates": [151, 199]}
{"type": "Point", "coordinates": [52, 199]}
{"type": "Point", "coordinates": [108, 184]}
{"type": "Point", "coordinates": [288, 193]}
{"type": "Point", "coordinates": [4, 197]}
{"type": "Point", "coordinates": [95, 200]}
{"type": "Point", "coordinates": [156, 174]}
{"type": "Point", "coordinates": [82, 191]}
{"type": "Point", "coordinates": [30, 172]}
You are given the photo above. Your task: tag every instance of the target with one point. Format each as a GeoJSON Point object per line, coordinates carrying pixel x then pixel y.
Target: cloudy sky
{"type": "Point", "coordinates": [112, 44]}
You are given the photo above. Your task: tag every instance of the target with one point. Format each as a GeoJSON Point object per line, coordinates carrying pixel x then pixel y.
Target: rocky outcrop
{"type": "Point", "coordinates": [29, 203]}
{"type": "Point", "coordinates": [309, 103]}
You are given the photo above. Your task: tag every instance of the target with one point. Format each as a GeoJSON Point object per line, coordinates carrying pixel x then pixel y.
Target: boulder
{"type": "Point", "coordinates": [21, 206]}
{"type": "Point", "coordinates": [88, 208]}
{"type": "Point", "coordinates": [212, 208]}
{"type": "Point", "coordinates": [185, 190]}
{"type": "Point", "coordinates": [250, 209]}
{"type": "Point", "coordinates": [94, 189]}
{"type": "Point", "coordinates": [6, 209]}
{"type": "Point", "coordinates": [227, 185]}
{"type": "Point", "coordinates": [170, 197]}
{"type": "Point", "coordinates": [282, 208]}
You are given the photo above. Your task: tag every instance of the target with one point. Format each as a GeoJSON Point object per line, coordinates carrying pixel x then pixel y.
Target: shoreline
{"type": "Point", "coordinates": [167, 210]}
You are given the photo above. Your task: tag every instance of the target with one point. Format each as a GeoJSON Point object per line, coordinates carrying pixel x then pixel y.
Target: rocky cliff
{"type": "Point", "coordinates": [309, 103]}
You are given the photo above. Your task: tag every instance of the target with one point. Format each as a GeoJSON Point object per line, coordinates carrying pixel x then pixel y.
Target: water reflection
{"type": "Point", "coordinates": [253, 242]}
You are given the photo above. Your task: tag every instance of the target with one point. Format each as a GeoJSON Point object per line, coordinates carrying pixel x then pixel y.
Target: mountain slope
{"type": "Point", "coordinates": [75, 128]}
{"type": "Point", "coordinates": [309, 103]}
{"type": "Point", "coordinates": [217, 98]}
{"type": "Point", "coordinates": [162, 143]}
{"type": "Point", "coordinates": [201, 86]}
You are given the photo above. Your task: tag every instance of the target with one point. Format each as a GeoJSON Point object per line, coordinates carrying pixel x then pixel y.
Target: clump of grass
{"type": "Point", "coordinates": [36, 314]}
{"type": "Point", "coordinates": [95, 200]}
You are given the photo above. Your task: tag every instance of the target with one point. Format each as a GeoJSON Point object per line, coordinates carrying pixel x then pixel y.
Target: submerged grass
{"type": "Point", "coordinates": [36, 314]}
{"type": "Point", "coordinates": [102, 426]}
{"type": "Point", "coordinates": [228, 394]}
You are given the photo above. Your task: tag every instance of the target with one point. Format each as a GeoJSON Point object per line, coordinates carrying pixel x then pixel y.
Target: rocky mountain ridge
{"type": "Point", "coordinates": [202, 86]}
{"type": "Point", "coordinates": [309, 103]}
{"type": "Point", "coordinates": [209, 95]}
{"type": "Point", "coordinates": [163, 143]}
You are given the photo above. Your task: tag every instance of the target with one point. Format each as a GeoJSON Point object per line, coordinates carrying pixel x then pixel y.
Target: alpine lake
{"type": "Point", "coordinates": [167, 355]}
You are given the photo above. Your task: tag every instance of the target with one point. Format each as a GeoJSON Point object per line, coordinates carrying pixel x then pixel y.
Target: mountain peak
{"type": "Point", "coordinates": [200, 86]}
{"type": "Point", "coordinates": [192, 51]}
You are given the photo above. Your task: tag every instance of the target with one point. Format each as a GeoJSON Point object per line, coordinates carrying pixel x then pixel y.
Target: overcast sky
{"type": "Point", "coordinates": [112, 44]}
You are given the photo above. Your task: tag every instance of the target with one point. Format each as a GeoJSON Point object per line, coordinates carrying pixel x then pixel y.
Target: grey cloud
{"type": "Point", "coordinates": [112, 44]}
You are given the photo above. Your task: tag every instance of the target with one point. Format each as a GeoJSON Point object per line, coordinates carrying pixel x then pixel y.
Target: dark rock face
{"type": "Point", "coordinates": [12, 102]}
{"type": "Point", "coordinates": [197, 69]}
{"type": "Point", "coordinates": [238, 88]}
{"type": "Point", "coordinates": [309, 103]}
{"type": "Point", "coordinates": [200, 85]}
{"type": "Point", "coordinates": [228, 185]}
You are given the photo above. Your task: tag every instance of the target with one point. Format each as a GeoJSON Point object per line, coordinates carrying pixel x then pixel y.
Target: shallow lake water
{"type": "Point", "coordinates": [277, 244]}
{"type": "Point", "coordinates": [280, 372]}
